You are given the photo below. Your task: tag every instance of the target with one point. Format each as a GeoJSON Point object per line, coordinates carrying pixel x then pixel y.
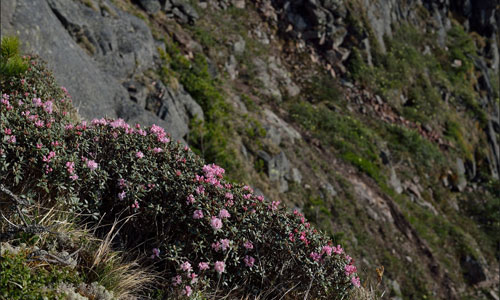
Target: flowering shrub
{"type": "Point", "coordinates": [202, 231]}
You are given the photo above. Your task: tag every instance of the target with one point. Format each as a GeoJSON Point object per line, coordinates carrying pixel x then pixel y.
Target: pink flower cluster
{"type": "Point", "coordinates": [249, 261]}
{"type": "Point", "coordinates": [216, 223]}
{"type": "Point", "coordinates": [224, 214]}
{"type": "Point", "coordinates": [220, 267]}
{"type": "Point", "coordinates": [198, 214]}
{"type": "Point", "coordinates": [190, 199]}
{"type": "Point", "coordinates": [223, 245]}
{"type": "Point", "coordinates": [5, 101]}
{"type": "Point", "coordinates": [212, 175]}
{"type": "Point", "coordinates": [160, 134]}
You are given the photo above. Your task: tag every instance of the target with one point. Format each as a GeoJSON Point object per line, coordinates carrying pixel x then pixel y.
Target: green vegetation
{"type": "Point", "coordinates": [179, 209]}
{"type": "Point", "coordinates": [11, 63]}
{"type": "Point", "coordinates": [423, 79]}
{"type": "Point", "coordinates": [22, 278]}
{"type": "Point", "coordinates": [211, 138]}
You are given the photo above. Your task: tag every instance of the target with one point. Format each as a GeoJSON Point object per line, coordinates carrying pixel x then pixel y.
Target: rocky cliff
{"type": "Point", "coordinates": [378, 119]}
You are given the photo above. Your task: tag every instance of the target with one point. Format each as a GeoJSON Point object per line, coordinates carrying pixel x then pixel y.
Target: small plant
{"type": "Point", "coordinates": [11, 63]}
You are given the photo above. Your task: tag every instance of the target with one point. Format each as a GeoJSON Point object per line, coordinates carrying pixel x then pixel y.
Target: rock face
{"type": "Point", "coordinates": [95, 52]}
{"type": "Point", "coordinates": [278, 169]}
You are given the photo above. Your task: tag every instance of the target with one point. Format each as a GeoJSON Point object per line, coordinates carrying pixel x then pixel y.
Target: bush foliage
{"type": "Point", "coordinates": [200, 230]}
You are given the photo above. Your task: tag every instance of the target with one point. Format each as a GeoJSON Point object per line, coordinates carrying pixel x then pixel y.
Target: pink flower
{"type": "Point", "coordinates": [213, 171]}
{"type": "Point", "coordinates": [224, 214]}
{"type": "Point", "coordinates": [216, 246]}
{"type": "Point", "coordinates": [7, 131]}
{"type": "Point", "coordinates": [327, 249]}
{"type": "Point", "coordinates": [39, 123]}
{"type": "Point", "coordinates": [139, 154]}
{"type": "Point", "coordinates": [47, 107]}
{"type": "Point", "coordinates": [157, 150]}
{"type": "Point", "coordinates": [39, 145]}
{"type": "Point", "coordinates": [200, 190]}
{"type": "Point", "coordinates": [315, 256]}
{"type": "Point", "coordinates": [186, 266]}
{"type": "Point", "coordinates": [355, 281]}
{"type": "Point", "coordinates": [49, 157]}
{"type": "Point", "coordinates": [119, 123]}
{"type": "Point", "coordinates": [194, 278]}
{"type": "Point", "coordinates": [122, 195]}
{"type": "Point", "coordinates": [220, 266]}
{"type": "Point", "coordinates": [338, 250]}
{"type": "Point", "coordinates": [274, 205]}
{"type": "Point", "coordinates": [73, 177]}
{"type": "Point", "coordinates": [190, 199]}
{"type": "Point", "coordinates": [248, 245]}
{"type": "Point", "coordinates": [198, 214]}
{"type": "Point", "coordinates": [11, 139]}
{"type": "Point", "coordinates": [224, 244]}
{"type": "Point", "coordinates": [70, 166]}
{"type": "Point", "coordinates": [92, 165]}
{"type": "Point", "coordinates": [176, 280]}
{"type": "Point", "coordinates": [216, 223]}
{"type": "Point", "coordinates": [37, 102]}
{"type": "Point", "coordinates": [156, 253]}
{"type": "Point", "coordinates": [349, 270]}
{"type": "Point", "coordinates": [135, 205]}
{"type": "Point", "coordinates": [187, 291]}
{"type": "Point", "coordinates": [249, 261]}
{"type": "Point", "coordinates": [203, 266]}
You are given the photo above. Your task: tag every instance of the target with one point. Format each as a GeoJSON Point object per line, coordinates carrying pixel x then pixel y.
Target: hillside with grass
{"type": "Point", "coordinates": [250, 150]}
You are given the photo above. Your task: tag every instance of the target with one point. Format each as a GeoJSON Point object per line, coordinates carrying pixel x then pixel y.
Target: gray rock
{"type": "Point", "coordinates": [151, 6]}
{"type": "Point", "coordinates": [395, 182]}
{"type": "Point", "coordinates": [180, 16]}
{"type": "Point", "coordinates": [94, 55]}
{"type": "Point", "coordinates": [183, 11]}
{"type": "Point", "coordinates": [239, 46]}
{"type": "Point", "coordinates": [244, 151]}
{"type": "Point", "coordinates": [296, 176]}
{"type": "Point", "coordinates": [277, 129]}
{"type": "Point", "coordinates": [396, 288]}
{"type": "Point", "coordinates": [176, 107]}
{"type": "Point", "coordinates": [231, 66]}
{"type": "Point", "coordinates": [95, 93]}
{"type": "Point", "coordinates": [461, 181]}
{"type": "Point", "coordinates": [277, 168]}
{"type": "Point", "coordinates": [121, 45]}
{"type": "Point", "coordinates": [328, 190]}
{"type": "Point", "coordinates": [238, 3]}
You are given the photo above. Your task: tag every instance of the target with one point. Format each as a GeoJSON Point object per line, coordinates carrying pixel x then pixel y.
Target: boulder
{"type": "Point", "coordinates": [239, 46]}
{"type": "Point", "coordinates": [395, 182]}
{"type": "Point", "coordinates": [277, 168]}
{"type": "Point", "coordinates": [150, 6]}
{"type": "Point", "coordinates": [461, 182]}
{"type": "Point", "coordinates": [327, 190]}
{"type": "Point", "coordinates": [277, 129]}
{"type": "Point", "coordinates": [182, 11]}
